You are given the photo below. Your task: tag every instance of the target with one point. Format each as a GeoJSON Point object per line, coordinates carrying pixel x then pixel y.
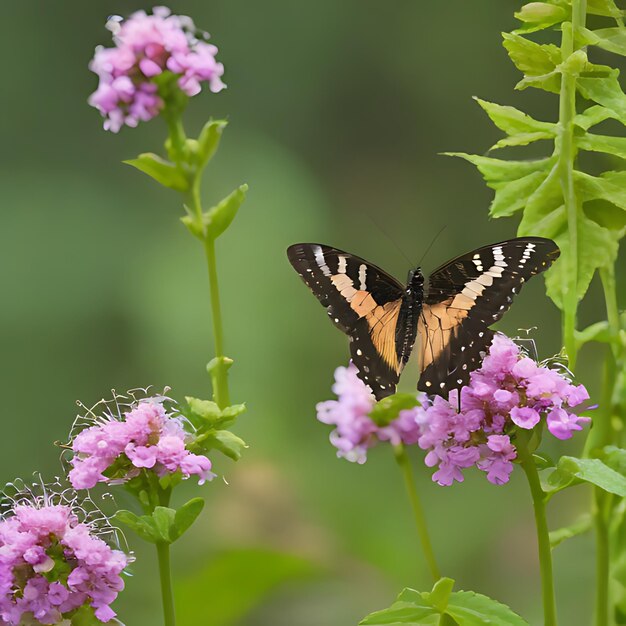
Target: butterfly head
{"type": "Point", "coordinates": [415, 279]}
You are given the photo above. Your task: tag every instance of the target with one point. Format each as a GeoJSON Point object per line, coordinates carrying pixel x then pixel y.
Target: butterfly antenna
{"type": "Point", "coordinates": [390, 238]}
{"type": "Point", "coordinates": [432, 243]}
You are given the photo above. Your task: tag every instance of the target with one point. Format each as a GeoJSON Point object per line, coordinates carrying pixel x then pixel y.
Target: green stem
{"type": "Point", "coordinates": [167, 594]}
{"type": "Point", "coordinates": [607, 276]}
{"type": "Point", "coordinates": [420, 520]}
{"type": "Point", "coordinates": [567, 156]}
{"type": "Point", "coordinates": [543, 537]}
{"type": "Point", "coordinates": [220, 373]}
{"type": "Point", "coordinates": [602, 558]}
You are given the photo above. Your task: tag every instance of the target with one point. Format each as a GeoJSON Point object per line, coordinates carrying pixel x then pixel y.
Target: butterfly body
{"type": "Point", "coordinates": [383, 318]}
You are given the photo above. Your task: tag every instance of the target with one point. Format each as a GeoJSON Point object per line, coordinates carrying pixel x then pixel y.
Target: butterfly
{"type": "Point", "coordinates": [452, 316]}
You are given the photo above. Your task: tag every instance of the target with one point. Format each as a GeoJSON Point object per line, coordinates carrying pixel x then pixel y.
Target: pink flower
{"type": "Point", "coordinates": [355, 432]}
{"type": "Point", "coordinates": [51, 564]}
{"type": "Point", "coordinates": [147, 46]}
{"type": "Point", "coordinates": [509, 390]}
{"type": "Point", "coordinates": [145, 438]}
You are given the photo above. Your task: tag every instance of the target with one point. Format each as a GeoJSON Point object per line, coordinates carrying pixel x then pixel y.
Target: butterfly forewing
{"type": "Point", "coordinates": [467, 295]}
{"type": "Point", "coordinates": [363, 301]}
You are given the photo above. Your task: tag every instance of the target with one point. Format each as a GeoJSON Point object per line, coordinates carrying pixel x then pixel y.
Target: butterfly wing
{"type": "Point", "coordinates": [364, 302]}
{"type": "Point", "coordinates": [465, 297]}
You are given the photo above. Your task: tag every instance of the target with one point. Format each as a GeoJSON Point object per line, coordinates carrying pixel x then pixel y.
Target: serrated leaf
{"type": "Point", "coordinates": [611, 39]}
{"type": "Point", "coordinates": [522, 139]}
{"type": "Point", "coordinates": [579, 527]}
{"type": "Point", "coordinates": [163, 517]}
{"type": "Point", "coordinates": [164, 172]}
{"type": "Point", "coordinates": [499, 170]}
{"type": "Point", "coordinates": [610, 187]}
{"type": "Point", "coordinates": [602, 143]}
{"type": "Point", "coordinates": [597, 247]}
{"type": "Point", "coordinates": [474, 609]}
{"type": "Point", "coordinates": [410, 609]}
{"type": "Point", "coordinates": [544, 214]}
{"type": "Point", "coordinates": [233, 411]}
{"type": "Point", "coordinates": [606, 8]}
{"type": "Point", "coordinates": [532, 59]}
{"type": "Point", "coordinates": [209, 140]}
{"type": "Point", "coordinates": [185, 516]}
{"type": "Point", "coordinates": [540, 15]}
{"type": "Point", "coordinates": [142, 526]}
{"type": "Point", "coordinates": [605, 91]}
{"type": "Point", "coordinates": [596, 472]}
{"type": "Point", "coordinates": [219, 218]}
{"type": "Point", "coordinates": [513, 121]}
{"type": "Point", "coordinates": [593, 115]}
{"type": "Point", "coordinates": [512, 196]}
{"type": "Point", "coordinates": [388, 409]}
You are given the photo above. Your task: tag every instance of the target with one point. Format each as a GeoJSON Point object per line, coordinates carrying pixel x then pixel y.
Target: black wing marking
{"type": "Point", "coordinates": [363, 301]}
{"type": "Point", "coordinates": [465, 297]}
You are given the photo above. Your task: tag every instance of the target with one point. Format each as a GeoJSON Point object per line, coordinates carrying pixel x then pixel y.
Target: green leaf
{"type": "Point", "coordinates": [185, 517]}
{"type": "Point", "coordinates": [142, 526]}
{"type": "Point", "coordinates": [597, 247]}
{"type": "Point", "coordinates": [595, 332]}
{"type": "Point", "coordinates": [388, 409]}
{"type": "Point", "coordinates": [466, 608]}
{"type": "Point", "coordinates": [611, 39]}
{"type": "Point", "coordinates": [499, 170]}
{"type": "Point", "coordinates": [610, 186]}
{"type": "Point", "coordinates": [226, 442]}
{"type": "Point", "coordinates": [219, 218]}
{"type": "Point", "coordinates": [209, 140]}
{"type": "Point", "coordinates": [512, 196]}
{"type": "Point", "coordinates": [163, 517]}
{"type": "Point", "coordinates": [521, 139]}
{"type": "Point", "coordinates": [204, 409]}
{"type": "Point", "coordinates": [579, 527]}
{"type": "Point", "coordinates": [544, 214]}
{"type": "Point", "coordinates": [602, 143]}
{"type": "Point", "coordinates": [541, 15]}
{"type": "Point", "coordinates": [234, 583]}
{"type": "Point", "coordinates": [84, 616]}
{"type": "Point", "coordinates": [596, 472]}
{"type": "Point", "coordinates": [615, 458]}
{"type": "Point", "coordinates": [164, 172]}
{"type": "Point", "coordinates": [513, 121]}
{"type": "Point", "coordinates": [605, 91]}
{"type": "Point", "coordinates": [593, 115]}
{"type": "Point", "coordinates": [533, 59]}
{"type": "Point", "coordinates": [474, 609]}
{"type": "Point", "coordinates": [606, 8]}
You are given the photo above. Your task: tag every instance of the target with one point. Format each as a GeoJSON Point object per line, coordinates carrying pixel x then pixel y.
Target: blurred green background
{"type": "Point", "coordinates": [337, 113]}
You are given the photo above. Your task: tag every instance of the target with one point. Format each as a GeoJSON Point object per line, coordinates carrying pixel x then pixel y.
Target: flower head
{"type": "Point", "coordinates": [151, 52]}
{"type": "Point", "coordinates": [508, 391]}
{"type": "Point", "coordinates": [140, 436]}
{"type": "Point", "coordinates": [355, 431]}
{"type": "Point", "coordinates": [54, 560]}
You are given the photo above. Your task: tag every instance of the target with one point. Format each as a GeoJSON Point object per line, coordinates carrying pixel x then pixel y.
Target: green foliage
{"type": "Point", "coordinates": [444, 606]}
{"type": "Point", "coordinates": [579, 527]}
{"type": "Point", "coordinates": [167, 174]}
{"type": "Point", "coordinates": [234, 583]}
{"type": "Point", "coordinates": [164, 524]}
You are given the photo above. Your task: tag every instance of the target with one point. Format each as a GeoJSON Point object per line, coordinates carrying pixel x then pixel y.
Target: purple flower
{"type": "Point", "coordinates": [144, 438]}
{"type": "Point", "coordinates": [355, 431]}
{"type": "Point", "coordinates": [508, 391]}
{"type": "Point", "coordinates": [148, 48]}
{"type": "Point", "coordinates": [51, 564]}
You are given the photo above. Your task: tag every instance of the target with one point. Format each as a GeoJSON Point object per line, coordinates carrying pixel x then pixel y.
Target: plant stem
{"type": "Point", "coordinates": [169, 615]}
{"type": "Point", "coordinates": [420, 521]}
{"type": "Point", "coordinates": [602, 559]}
{"type": "Point", "coordinates": [543, 537]}
{"type": "Point", "coordinates": [567, 155]}
{"type": "Point", "coordinates": [220, 374]}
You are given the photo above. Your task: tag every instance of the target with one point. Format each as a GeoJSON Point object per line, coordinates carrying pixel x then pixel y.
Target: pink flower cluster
{"type": "Point", "coordinates": [355, 432]}
{"type": "Point", "coordinates": [52, 564]}
{"type": "Point", "coordinates": [147, 46]}
{"type": "Point", "coordinates": [146, 438]}
{"type": "Point", "coordinates": [508, 390]}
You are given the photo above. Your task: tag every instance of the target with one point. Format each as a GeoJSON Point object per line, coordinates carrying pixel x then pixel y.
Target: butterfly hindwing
{"type": "Point", "coordinates": [361, 300]}
{"type": "Point", "coordinates": [467, 295]}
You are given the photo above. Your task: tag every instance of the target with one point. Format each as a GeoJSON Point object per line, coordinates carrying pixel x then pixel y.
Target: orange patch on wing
{"type": "Point", "coordinates": [362, 303]}
{"type": "Point", "coordinates": [382, 321]}
{"type": "Point", "coordinates": [436, 327]}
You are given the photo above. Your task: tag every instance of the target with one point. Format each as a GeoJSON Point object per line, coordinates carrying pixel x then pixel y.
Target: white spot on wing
{"type": "Point", "coordinates": [320, 260]}
{"type": "Point", "coordinates": [342, 265]}
{"type": "Point", "coordinates": [362, 276]}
